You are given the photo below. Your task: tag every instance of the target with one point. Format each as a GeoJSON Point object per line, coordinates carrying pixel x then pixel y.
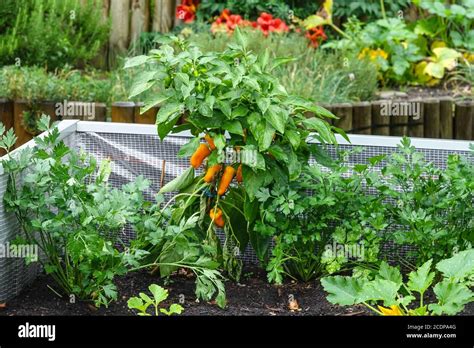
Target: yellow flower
{"type": "Point", "coordinates": [393, 310]}
{"type": "Point", "coordinates": [363, 53]}
{"type": "Point", "coordinates": [373, 54]}
{"type": "Point", "coordinates": [469, 57]}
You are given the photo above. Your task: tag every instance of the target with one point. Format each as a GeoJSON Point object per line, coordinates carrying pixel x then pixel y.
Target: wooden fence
{"type": "Point", "coordinates": [443, 117]}
{"type": "Point", "coordinates": [130, 18]}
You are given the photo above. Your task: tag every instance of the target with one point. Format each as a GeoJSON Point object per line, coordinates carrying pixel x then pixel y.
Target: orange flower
{"type": "Point", "coordinates": [316, 35]}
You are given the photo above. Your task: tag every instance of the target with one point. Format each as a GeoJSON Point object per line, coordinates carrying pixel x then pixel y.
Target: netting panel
{"type": "Point", "coordinates": [147, 155]}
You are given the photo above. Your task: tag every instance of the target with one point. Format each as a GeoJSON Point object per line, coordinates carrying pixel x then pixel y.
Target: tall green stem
{"type": "Point", "coordinates": [382, 7]}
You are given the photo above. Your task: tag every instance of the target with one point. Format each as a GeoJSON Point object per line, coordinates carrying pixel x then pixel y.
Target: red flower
{"type": "Point", "coordinates": [266, 23]}
{"type": "Point", "coordinates": [316, 35]}
{"type": "Point", "coordinates": [186, 11]}
{"type": "Point", "coordinates": [227, 22]}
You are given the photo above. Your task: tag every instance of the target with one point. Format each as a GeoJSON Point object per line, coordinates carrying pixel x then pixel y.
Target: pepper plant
{"type": "Point", "coordinates": [249, 119]}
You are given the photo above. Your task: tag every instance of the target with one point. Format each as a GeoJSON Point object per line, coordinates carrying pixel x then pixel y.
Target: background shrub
{"type": "Point", "coordinates": [50, 33]}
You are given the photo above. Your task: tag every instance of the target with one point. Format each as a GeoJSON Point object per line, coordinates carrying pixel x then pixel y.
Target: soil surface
{"type": "Point", "coordinates": [424, 92]}
{"type": "Point", "coordinates": [252, 296]}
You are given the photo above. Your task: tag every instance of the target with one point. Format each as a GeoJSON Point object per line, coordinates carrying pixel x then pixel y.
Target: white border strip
{"type": "Point", "coordinates": [356, 139]}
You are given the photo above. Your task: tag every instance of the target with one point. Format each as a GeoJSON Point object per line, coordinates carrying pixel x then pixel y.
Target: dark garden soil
{"type": "Point", "coordinates": [426, 92]}
{"type": "Point", "coordinates": [252, 296]}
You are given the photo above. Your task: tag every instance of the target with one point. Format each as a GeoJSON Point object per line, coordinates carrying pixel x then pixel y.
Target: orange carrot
{"type": "Point", "coordinates": [198, 157]}
{"type": "Point", "coordinates": [209, 140]}
{"type": "Point", "coordinates": [225, 180]}
{"type": "Point", "coordinates": [211, 172]}
{"type": "Point", "coordinates": [239, 176]}
{"type": "Point", "coordinates": [217, 217]}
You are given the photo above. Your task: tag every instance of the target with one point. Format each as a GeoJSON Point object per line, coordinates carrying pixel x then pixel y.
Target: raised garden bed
{"type": "Point", "coordinates": [136, 150]}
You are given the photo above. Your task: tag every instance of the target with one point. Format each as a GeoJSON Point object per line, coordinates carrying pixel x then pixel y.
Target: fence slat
{"type": "Point", "coordinates": [119, 35]}
{"type": "Point", "coordinates": [431, 127]}
{"type": "Point", "coordinates": [362, 118]}
{"type": "Point", "coordinates": [446, 120]}
{"type": "Point", "coordinates": [464, 113]}
{"type": "Point", "coordinates": [123, 112]}
{"type": "Point", "coordinates": [416, 123]}
{"type": "Point", "coordinates": [380, 124]}
{"type": "Point", "coordinates": [163, 15]}
{"type": "Point", "coordinates": [6, 116]}
{"type": "Point", "coordinates": [149, 117]}
{"type": "Point", "coordinates": [344, 112]}
{"type": "Point", "coordinates": [6, 113]}
{"type": "Point", "coordinates": [398, 119]}
{"type": "Point", "coordinates": [140, 18]}
{"type": "Point", "coordinates": [21, 106]}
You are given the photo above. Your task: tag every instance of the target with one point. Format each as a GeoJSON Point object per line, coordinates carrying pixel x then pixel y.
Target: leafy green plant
{"type": "Point", "coordinates": [325, 76]}
{"type": "Point", "coordinates": [65, 206]}
{"type": "Point", "coordinates": [55, 33]}
{"type": "Point", "coordinates": [142, 303]}
{"type": "Point", "coordinates": [452, 23]}
{"type": "Point", "coordinates": [34, 85]}
{"type": "Point", "coordinates": [319, 217]}
{"type": "Point", "coordinates": [167, 247]}
{"type": "Point", "coordinates": [231, 91]}
{"type": "Point", "coordinates": [390, 43]}
{"type": "Point", "coordinates": [432, 208]}
{"type": "Point", "coordinates": [369, 10]}
{"type": "Point", "coordinates": [398, 297]}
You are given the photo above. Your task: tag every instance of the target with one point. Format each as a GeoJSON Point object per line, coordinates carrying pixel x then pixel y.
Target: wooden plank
{"type": "Point", "coordinates": [140, 18]}
{"type": "Point", "coordinates": [164, 15]}
{"type": "Point", "coordinates": [344, 112]}
{"type": "Point", "coordinates": [149, 117]}
{"type": "Point", "coordinates": [6, 113]}
{"type": "Point", "coordinates": [416, 124]}
{"type": "Point", "coordinates": [398, 114]}
{"type": "Point", "coordinates": [6, 116]}
{"type": "Point", "coordinates": [120, 33]}
{"type": "Point", "coordinates": [21, 106]}
{"type": "Point", "coordinates": [362, 118]}
{"type": "Point", "coordinates": [380, 123]}
{"type": "Point", "coordinates": [431, 127]}
{"type": "Point", "coordinates": [101, 60]}
{"type": "Point", "coordinates": [446, 117]}
{"type": "Point", "coordinates": [100, 112]}
{"type": "Point", "coordinates": [463, 115]}
{"type": "Point", "coordinates": [123, 112]}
